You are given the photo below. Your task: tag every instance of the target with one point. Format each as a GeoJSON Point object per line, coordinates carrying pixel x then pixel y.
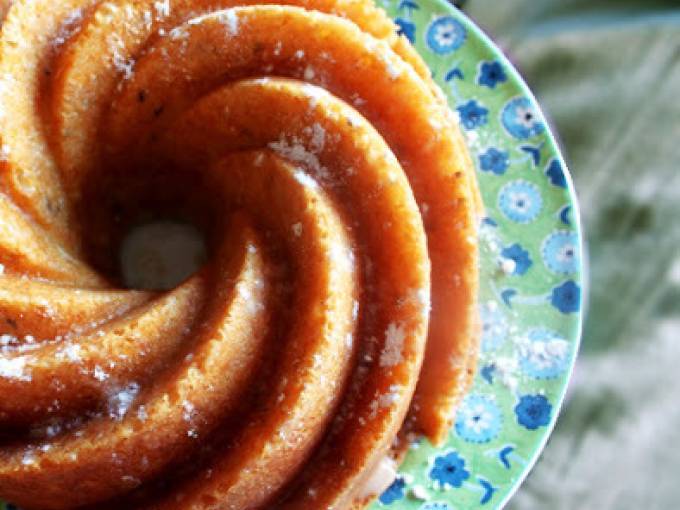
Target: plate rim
{"type": "Point", "coordinates": [556, 152]}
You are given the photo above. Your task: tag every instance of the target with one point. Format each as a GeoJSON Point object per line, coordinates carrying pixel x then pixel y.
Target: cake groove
{"type": "Point", "coordinates": [336, 314]}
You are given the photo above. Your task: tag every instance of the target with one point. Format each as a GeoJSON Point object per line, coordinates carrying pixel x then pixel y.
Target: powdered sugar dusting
{"type": "Point", "coordinates": [120, 401]}
{"type": "Point", "coordinates": [178, 33]}
{"type": "Point", "coordinates": [15, 368]}
{"type": "Point", "coordinates": [295, 151]}
{"type": "Point", "coordinates": [314, 94]}
{"type": "Point", "coordinates": [318, 137]}
{"type": "Point", "coordinates": [70, 352]}
{"type": "Point", "coordinates": [380, 479]}
{"type": "Point", "coordinates": [542, 354]}
{"type": "Point", "coordinates": [230, 20]}
{"type": "Point", "coordinates": [7, 340]}
{"type": "Point", "coordinates": [228, 17]}
{"type": "Point", "coordinates": [124, 65]}
{"type": "Point", "coordinates": [419, 493]}
{"type": "Point", "coordinates": [506, 370]}
{"type": "Point", "coordinates": [342, 257]}
{"type": "Point", "coordinates": [29, 458]}
{"type": "Point", "coordinates": [162, 8]}
{"type": "Point", "coordinates": [392, 353]}
{"type": "Point", "coordinates": [390, 398]}
{"type": "Point", "coordinates": [100, 374]}
{"type": "Point", "coordinates": [188, 410]}
{"type": "Point", "coordinates": [309, 73]}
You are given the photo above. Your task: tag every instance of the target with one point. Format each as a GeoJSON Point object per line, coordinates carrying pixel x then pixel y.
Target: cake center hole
{"type": "Point", "coordinates": [161, 255]}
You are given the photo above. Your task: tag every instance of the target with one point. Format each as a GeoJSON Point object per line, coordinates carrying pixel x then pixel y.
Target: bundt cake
{"type": "Point", "coordinates": [335, 316]}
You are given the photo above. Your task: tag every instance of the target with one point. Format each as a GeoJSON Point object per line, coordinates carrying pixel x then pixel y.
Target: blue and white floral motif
{"type": "Point", "coordinates": [436, 506]}
{"type": "Point", "coordinates": [520, 201]}
{"type": "Point", "coordinates": [555, 173]}
{"type": "Point", "coordinates": [408, 6]}
{"type": "Point", "coordinates": [407, 29]}
{"type": "Point", "coordinates": [478, 419]}
{"type": "Point", "coordinates": [560, 252]}
{"type": "Point", "coordinates": [491, 74]}
{"type": "Point", "coordinates": [504, 456]}
{"type": "Point", "coordinates": [533, 151]}
{"type": "Point", "coordinates": [448, 470]}
{"type": "Point", "coordinates": [487, 373]}
{"type": "Point", "coordinates": [519, 256]}
{"type": "Point", "coordinates": [494, 160]}
{"type": "Point", "coordinates": [472, 114]}
{"type": "Point", "coordinates": [454, 74]}
{"type": "Point", "coordinates": [394, 492]}
{"type": "Point", "coordinates": [507, 295]}
{"type": "Point", "coordinates": [533, 411]}
{"type": "Point", "coordinates": [445, 35]}
{"type": "Point", "coordinates": [494, 326]}
{"type": "Point", "coordinates": [543, 354]}
{"type": "Point", "coordinates": [566, 297]}
{"type": "Point", "coordinates": [520, 119]}
{"type": "Point", "coordinates": [489, 490]}
{"type": "Point", "coordinates": [564, 214]}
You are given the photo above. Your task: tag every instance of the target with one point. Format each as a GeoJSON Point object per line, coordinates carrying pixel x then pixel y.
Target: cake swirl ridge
{"type": "Point", "coordinates": [336, 313]}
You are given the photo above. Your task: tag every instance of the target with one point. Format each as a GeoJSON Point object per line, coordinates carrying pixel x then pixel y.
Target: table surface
{"type": "Point", "coordinates": [608, 77]}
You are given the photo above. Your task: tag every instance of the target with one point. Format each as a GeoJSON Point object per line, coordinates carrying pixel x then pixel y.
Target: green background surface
{"type": "Point", "coordinates": [607, 74]}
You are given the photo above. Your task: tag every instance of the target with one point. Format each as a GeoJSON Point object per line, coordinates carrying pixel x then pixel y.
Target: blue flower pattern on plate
{"type": "Point", "coordinates": [564, 214]}
{"type": "Point", "coordinates": [406, 28]}
{"type": "Point", "coordinates": [454, 73]}
{"type": "Point", "coordinates": [408, 6]}
{"type": "Point", "coordinates": [544, 355]}
{"type": "Point", "coordinates": [520, 201]}
{"type": "Point", "coordinates": [519, 256]}
{"type": "Point", "coordinates": [504, 456]}
{"type": "Point", "coordinates": [560, 252]}
{"type": "Point", "coordinates": [567, 297]}
{"type": "Point", "coordinates": [479, 419]}
{"type": "Point", "coordinates": [555, 173]}
{"type": "Point", "coordinates": [491, 74]}
{"type": "Point", "coordinates": [394, 492]}
{"type": "Point", "coordinates": [507, 295]}
{"type": "Point", "coordinates": [436, 506]}
{"type": "Point", "coordinates": [520, 119]}
{"type": "Point", "coordinates": [534, 152]}
{"type": "Point", "coordinates": [445, 35]}
{"type": "Point", "coordinates": [494, 160]}
{"type": "Point", "coordinates": [521, 171]}
{"type": "Point", "coordinates": [487, 373]}
{"type": "Point", "coordinates": [472, 114]}
{"type": "Point", "coordinates": [489, 491]}
{"type": "Point", "coordinates": [449, 470]}
{"type": "Point", "coordinates": [533, 411]}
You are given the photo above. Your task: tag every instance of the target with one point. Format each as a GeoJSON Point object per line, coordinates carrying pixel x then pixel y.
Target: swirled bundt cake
{"type": "Point", "coordinates": [335, 315]}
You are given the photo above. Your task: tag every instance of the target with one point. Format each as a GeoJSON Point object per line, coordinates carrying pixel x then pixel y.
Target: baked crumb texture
{"type": "Point", "coordinates": [336, 315]}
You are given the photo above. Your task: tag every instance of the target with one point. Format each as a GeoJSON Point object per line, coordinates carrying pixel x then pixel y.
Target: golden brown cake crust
{"type": "Point", "coordinates": [311, 147]}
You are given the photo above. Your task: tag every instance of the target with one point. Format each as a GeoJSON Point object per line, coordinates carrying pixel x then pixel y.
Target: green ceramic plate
{"type": "Point", "coordinates": [531, 274]}
{"type": "Point", "coordinates": [531, 278]}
